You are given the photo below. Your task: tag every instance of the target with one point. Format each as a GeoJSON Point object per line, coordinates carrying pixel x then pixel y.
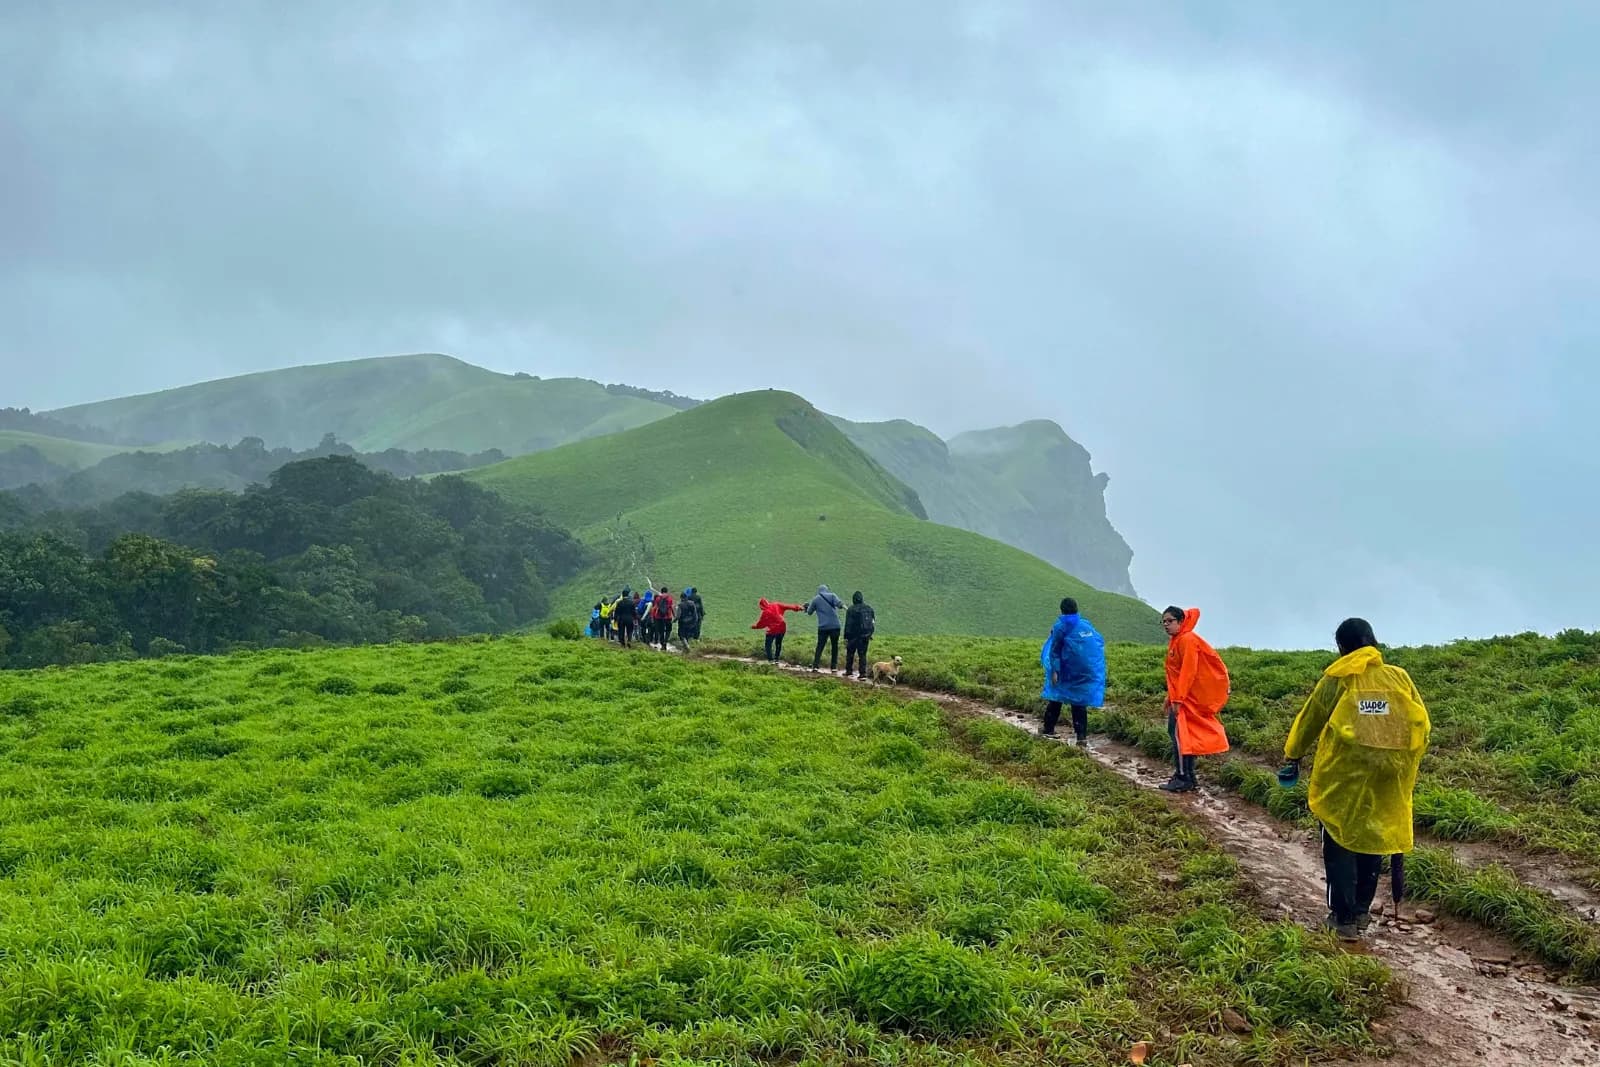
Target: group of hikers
{"type": "Point", "coordinates": [649, 616]}
{"type": "Point", "coordinates": [860, 623]}
{"type": "Point", "coordinates": [1364, 718]}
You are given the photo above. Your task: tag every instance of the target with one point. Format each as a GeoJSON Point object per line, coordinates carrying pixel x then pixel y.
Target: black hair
{"type": "Point", "coordinates": [1069, 606]}
{"type": "Point", "coordinates": [1353, 634]}
{"type": "Point", "coordinates": [856, 597]}
{"type": "Point", "coordinates": [1174, 612]}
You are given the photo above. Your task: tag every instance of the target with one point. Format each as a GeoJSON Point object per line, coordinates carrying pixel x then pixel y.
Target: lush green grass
{"type": "Point", "coordinates": [1029, 485]}
{"type": "Point", "coordinates": [1514, 756]}
{"type": "Point", "coordinates": [72, 454]}
{"type": "Point", "coordinates": [760, 495]}
{"type": "Point", "coordinates": [411, 402]}
{"type": "Point", "coordinates": [530, 851]}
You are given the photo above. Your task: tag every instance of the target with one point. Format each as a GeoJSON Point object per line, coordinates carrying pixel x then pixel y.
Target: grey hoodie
{"type": "Point", "coordinates": [826, 608]}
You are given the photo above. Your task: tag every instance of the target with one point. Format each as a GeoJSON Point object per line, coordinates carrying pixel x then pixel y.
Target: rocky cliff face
{"type": "Point", "coordinates": [1030, 486]}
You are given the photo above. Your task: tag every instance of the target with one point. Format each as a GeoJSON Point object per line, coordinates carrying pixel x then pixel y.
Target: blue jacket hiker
{"type": "Point", "coordinates": [825, 606]}
{"type": "Point", "coordinates": [1074, 662]}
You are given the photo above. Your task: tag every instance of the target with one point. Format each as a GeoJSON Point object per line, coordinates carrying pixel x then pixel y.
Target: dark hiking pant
{"type": "Point", "coordinates": [855, 651]}
{"type": "Point", "coordinates": [824, 637]}
{"type": "Point", "coordinates": [663, 632]}
{"type": "Point", "coordinates": [1352, 879]}
{"type": "Point", "coordinates": [624, 633]}
{"type": "Point", "coordinates": [1172, 732]}
{"type": "Point", "coordinates": [1080, 719]}
{"type": "Point", "coordinates": [774, 647]}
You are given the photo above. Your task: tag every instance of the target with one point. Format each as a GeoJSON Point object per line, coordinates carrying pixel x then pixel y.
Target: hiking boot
{"type": "Point", "coordinates": [1343, 931]}
{"type": "Point", "coordinates": [1177, 784]}
{"type": "Point", "coordinates": [1048, 733]}
{"type": "Point", "coordinates": [1081, 741]}
{"type": "Point", "coordinates": [1363, 921]}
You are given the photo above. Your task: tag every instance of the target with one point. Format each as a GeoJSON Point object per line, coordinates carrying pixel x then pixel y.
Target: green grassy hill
{"type": "Point", "coordinates": [74, 455]}
{"type": "Point", "coordinates": [539, 853]}
{"type": "Point", "coordinates": [410, 402]}
{"type": "Point", "coordinates": [1029, 485]}
{"type": "Point", "coordinates": [759, 494]}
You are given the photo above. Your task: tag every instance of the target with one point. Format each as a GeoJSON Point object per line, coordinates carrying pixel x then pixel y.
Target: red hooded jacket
{"type": "Point", "coordinates": [772, 616]}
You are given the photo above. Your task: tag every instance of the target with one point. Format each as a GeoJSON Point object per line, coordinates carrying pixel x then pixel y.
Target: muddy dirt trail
{"type": "Point", "coordinates": [1467, 996]}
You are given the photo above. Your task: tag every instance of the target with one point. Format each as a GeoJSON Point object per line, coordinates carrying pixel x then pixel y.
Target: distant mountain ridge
{"type": "Point", "coordinates": [1029, 485]}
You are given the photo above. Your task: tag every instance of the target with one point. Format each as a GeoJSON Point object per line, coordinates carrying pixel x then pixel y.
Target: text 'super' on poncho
{"type": "Point", "coordinates": [1076, 652]}
{"type": "Point", "coordinates": [1370, 729]}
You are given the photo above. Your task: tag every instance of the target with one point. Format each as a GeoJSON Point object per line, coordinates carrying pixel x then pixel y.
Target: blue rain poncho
{"type": "Point", "coordinates": [1076, 652]}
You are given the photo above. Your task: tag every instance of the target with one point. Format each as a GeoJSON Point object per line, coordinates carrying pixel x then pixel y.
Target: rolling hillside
{"type": "Point", "coordinates": [410, 402]}
{"type": "Point", "coordinates": [74, 455]}
{"type": "Point", "coordinates": [759, 494]}
{"type": "Point", "coordinates": [1029, 485]}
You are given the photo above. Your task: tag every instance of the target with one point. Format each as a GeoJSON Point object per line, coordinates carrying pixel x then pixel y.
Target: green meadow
{"type": "Point", "coordinates": [531, 852]}
{"type": "Point", "coordinates": [1514, 757]}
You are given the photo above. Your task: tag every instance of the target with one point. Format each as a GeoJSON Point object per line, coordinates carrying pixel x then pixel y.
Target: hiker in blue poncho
{"type": "Point", "coordinates": [1074, 662]}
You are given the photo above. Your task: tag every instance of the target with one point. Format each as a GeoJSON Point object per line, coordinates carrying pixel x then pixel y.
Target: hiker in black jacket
{"type": "Point", "coordinates": [859, 622]}
{"type": "Point", "coordinates": [691, 613]}
{"type": "Point", "coordinates": [623, 617]}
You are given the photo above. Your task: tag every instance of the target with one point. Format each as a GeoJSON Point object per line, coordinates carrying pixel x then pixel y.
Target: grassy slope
{"type": "Point", "coordinates": [419, 401]}
{"type": "Point", "coordinates": [1514, 756]}
{"type": "Point", "coordinates": [60, 450]}
{"type": "Point", "coordinates": [524, 852]}
{"type": "Point", "coordinates": [1029, 485]}
{"type": "Point", "coordinates": [722, 498]}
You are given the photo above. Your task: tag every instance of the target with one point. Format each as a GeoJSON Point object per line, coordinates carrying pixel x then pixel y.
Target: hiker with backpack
{"type": "Point", "coordinates": [661, 615]}
{"type": "Point", "coordinates": [1370, 728]}
{"type": "Point", "coordinates": [691, 613]}
{"type": "Point", "coordinates": [825, 606]}
{"type": "Point", "coordinates": [1197, 688]}
{"type": "Point", "coordinates": [647, 623]}
{"type": "Point", "coordinates": [860, 621]}
{"type": "Point", "coordinates": [607, 606]}
{"type": "Point", "coordinates": [1074, 662]}
{"type": "Point", "coordinates": [771, 620]}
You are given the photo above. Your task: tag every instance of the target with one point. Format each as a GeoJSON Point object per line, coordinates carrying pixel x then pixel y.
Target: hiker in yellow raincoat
{"type": "Point", "coordinates": [1368, 724]}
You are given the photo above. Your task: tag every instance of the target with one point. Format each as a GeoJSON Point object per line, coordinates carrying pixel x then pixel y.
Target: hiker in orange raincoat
{"type": "Point", "coordinates": [1197, 688]}
{"type": "Point", "coordinates": [772, 621]}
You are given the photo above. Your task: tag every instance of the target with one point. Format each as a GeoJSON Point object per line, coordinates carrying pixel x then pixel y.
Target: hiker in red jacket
{"type": "Point", "coordinates": [771, 620]}
{"type": "Point", "coordinates": [661, 612]}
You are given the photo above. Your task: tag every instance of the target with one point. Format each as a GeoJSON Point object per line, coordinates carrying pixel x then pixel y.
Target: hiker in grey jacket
{"type": "Point", "coordinates": [825, 606]}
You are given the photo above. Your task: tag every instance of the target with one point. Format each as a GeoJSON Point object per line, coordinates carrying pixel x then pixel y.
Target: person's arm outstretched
{"type": "Point", "coordinates": [1313, 717]}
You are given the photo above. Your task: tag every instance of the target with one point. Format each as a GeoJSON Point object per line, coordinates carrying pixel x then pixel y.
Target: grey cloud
{"type": "Point", "coordinates": [1314, 283]}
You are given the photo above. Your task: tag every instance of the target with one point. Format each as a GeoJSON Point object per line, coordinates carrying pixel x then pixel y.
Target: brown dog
{"type": "Point", "coordinates": [889, 669]}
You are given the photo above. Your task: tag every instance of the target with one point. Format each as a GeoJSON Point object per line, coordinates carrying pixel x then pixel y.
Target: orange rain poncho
{"type": "Point", "coordinates": [1197, 682]}
{"type": "Point", "coordinates": [1370, 730]}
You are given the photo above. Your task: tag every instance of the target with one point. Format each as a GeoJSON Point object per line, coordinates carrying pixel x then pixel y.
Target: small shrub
{"type": "Point", "coordinates": [337, 685]}
{"type": "Point", "coordinates": [565, 630]}
{"type": "Point", "coordinates": [388, 689]}
{"type": "Point", "coordinates": [926, 985]}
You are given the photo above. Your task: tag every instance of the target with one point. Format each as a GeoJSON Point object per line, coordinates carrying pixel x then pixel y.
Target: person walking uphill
{"type": "Point", "coordinates": [1074, 662]}
{"type": "Point", "coordinates": [825, 606]}
{"type": "Point", "coordinates": [859, 623]}
{"type": "Point", "coordinates": [1368, 724]}
{"type": "Point", "coordinates": [1197, 688]}
{"type": "Point", "coordinates": [771, 620]}
{"type": "Point", "coordinates": [623, 614]}
{"type": "Point", "coordinates": [662, 613]}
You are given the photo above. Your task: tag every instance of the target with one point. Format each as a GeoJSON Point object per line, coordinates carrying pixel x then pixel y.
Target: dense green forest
{"type": "Point", "coordinates": [327, 550]}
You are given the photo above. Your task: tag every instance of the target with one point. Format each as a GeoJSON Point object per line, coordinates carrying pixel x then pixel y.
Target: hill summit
{"type": "Point", "coordinates": [760, 494]}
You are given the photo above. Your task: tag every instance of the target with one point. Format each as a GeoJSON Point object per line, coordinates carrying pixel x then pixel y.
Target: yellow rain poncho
{"type": "Point", "coordinates": [1369, 727]}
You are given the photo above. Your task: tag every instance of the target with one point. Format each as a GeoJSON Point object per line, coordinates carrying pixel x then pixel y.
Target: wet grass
{"type": "Point", "coordinates": [528, 851]}
{"type": "Point", "coordinates": [1514, 758]}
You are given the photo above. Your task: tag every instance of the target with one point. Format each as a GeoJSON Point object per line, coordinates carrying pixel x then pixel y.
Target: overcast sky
{"type": "Point", "coordinates": [1315, 283]}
